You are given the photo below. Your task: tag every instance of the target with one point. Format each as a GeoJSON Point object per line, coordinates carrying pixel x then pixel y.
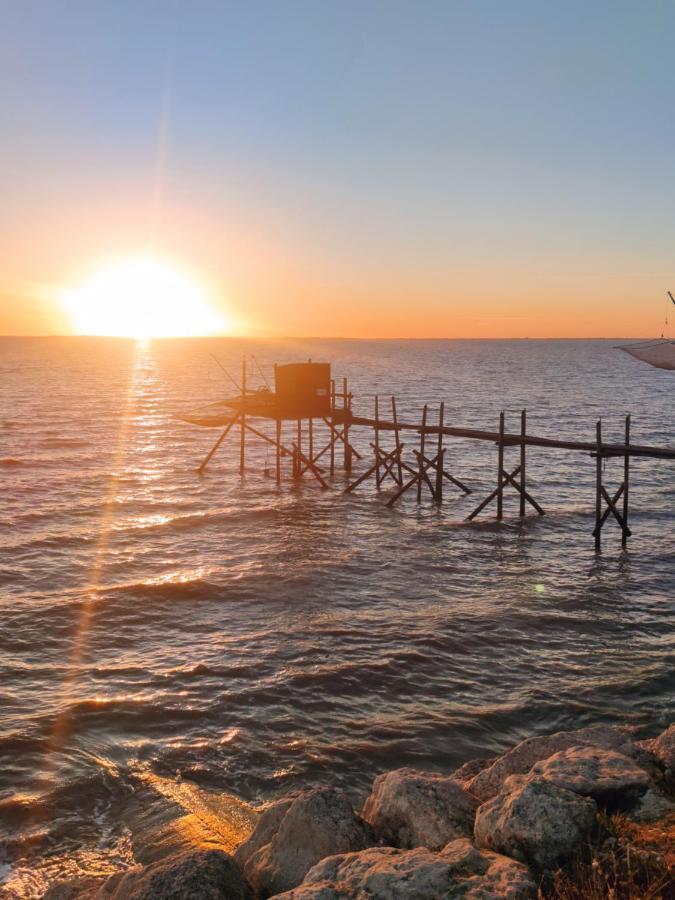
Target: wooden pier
{"type": "Point", "coordinates": [321, 420]}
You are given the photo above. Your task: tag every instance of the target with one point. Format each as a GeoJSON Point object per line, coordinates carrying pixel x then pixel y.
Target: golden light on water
{"type": "Point", "coordinates": [143, 297]}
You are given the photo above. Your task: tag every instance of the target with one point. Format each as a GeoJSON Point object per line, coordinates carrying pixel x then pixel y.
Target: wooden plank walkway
{"type": "Point", "coordinates": [530, 440]}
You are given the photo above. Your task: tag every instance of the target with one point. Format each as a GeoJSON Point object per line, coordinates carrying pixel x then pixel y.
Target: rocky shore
{"type": "Point", "coordinates": [592, 809]}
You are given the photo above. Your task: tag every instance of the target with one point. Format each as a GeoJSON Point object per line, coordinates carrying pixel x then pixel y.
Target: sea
{"type": "Point", "coordinates": [212, 642]}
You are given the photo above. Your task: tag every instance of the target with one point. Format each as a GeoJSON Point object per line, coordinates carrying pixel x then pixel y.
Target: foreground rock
{"type": "Point", "coordinates": [296, 835]}
{"type": "Point", "coordinates": [409, 809]}
{"type": "Point", "coordinates": [651, 807]}
{"type": "Point", "coordinates": [607, 776]}
{"type": "Point", "coordinates": [202, 875]}
{"type": "Point", "coordinates": [534, 821]}
{"type": "Point", "coordinates": [518, 761]}
{"type": "Point", "coordinates": [384, 873]}
{"type": "Point", "coordinates": [663, 747]}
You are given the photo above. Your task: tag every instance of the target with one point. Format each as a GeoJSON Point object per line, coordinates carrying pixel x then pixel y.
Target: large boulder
{"type": "Point", "coordinates": [286, 844]}
{"type": "Point", "coordinates": [534, 821]}
{"type": "Point", "coordinates": [663, 747]}
{"type": "Point", "coordinates": [519, 760]}
{"type": "Point", "coordinates": [409, 809]}
{"type": "Point", "coordinates": [385, 873]}
{"type": "Point", "coordinates": [201, 875]}
{"type": "Point", "coordinates": [267, 826]}
{"type": "Point", "coordinates": [605, 775]}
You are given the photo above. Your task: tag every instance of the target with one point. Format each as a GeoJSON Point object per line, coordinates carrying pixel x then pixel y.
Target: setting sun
{"type": "Point", "coordinates": [142, 297]}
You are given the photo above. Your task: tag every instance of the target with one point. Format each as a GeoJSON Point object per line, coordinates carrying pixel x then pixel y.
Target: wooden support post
{"type": "Point", "coordinates": [277, 466]}
{"type": "Point", "coordinates": [378, 480]}
{"type": "Point", "coordinates": [438, 493]}
{"type": "Point", "coordinates": [242, 441]}
{"type": "Point", "coordinates": [421, 453]}
{"type": "Point", "coordinates": [217, 444]}
{"type": "Point", "coordinates": [298, 447]}
{"type": "Point", "coordinates": [598, 485]}
{"type": "Point", "coordinates": [310, 439]}
{"type": "Point", "coordinates": [626, 478]}
{"type": "Point", "coordinates": [346, 405]}
{"type": "Point", "coordinates": [523, 432]}
{"type": "Point", "coordinates": [332, 427]}
{"type": "Point", "coordinates": [397, 436]}
{"type": "Point", "coordinates": [500, 466]}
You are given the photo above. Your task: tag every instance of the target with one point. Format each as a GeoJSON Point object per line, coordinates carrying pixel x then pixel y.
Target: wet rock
{"type": "Point", "coordinates": [202, 875]}
{"type": "Point", "coordinates": [534, 821]}
{"type": "Point", "coordinates": [521, 758]}
{"type": "Point", "coordinates": [603, 774]}
{"type": "Point", "coordinates": [385, 873]}
{"type": "Point", "coordinates": [315, 824]}
{"type": "Point", "coordinates": [409, 809]}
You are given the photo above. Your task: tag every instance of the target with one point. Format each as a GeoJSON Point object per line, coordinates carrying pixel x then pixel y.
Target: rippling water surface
{"type": "Point", "coordinates": [256, 640]}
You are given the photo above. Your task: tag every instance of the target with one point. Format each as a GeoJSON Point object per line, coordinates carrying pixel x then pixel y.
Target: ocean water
{"type": "Point", "coordinates": [217, 635]}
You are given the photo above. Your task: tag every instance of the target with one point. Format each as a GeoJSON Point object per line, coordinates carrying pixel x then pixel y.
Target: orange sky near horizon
{"type": "Point", "coordinates": [349, 170]}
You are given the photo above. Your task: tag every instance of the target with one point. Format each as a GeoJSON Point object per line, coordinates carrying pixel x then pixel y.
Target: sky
{"type": "Point", "coordinates": [353, 169]}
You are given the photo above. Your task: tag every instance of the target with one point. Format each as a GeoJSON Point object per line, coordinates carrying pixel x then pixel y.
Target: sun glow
{"type": "Point", "coordinates": [142, 297]}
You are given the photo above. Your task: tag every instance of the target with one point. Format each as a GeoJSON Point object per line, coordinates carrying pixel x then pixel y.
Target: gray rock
{"type": "Point", "coordinates": [594, 772]}
{"type": "Point", "coordinates": [534, 821]}
{"type": "Point", "coordinates": [202, 875]}
{"type": "Point", "coordinates": [284, 847]}
{"type": "Point", "coordinates": [385, 873]}
{"type": "Point", "coordinates": [409, 809]}
{"type": "Point", "coordinates": [652, 806]}
{"type": "Point", "coordinates": [521, 758]}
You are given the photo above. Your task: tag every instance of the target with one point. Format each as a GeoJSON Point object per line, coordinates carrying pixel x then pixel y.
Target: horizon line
{"type": "Point", "coordinates": [244, 337]}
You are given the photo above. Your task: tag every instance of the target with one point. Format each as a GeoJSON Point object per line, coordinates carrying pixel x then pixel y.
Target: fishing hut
{"type": "Point", "coordinates": [313, 420]}
{"type": "Point", "coordinates": [309, 412]}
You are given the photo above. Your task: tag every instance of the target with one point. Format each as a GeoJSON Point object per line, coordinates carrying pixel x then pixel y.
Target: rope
{"type": "Point", "coordinates": [238, 387]}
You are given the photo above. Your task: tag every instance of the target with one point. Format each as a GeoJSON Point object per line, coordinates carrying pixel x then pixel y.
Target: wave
{"type": "Point", "coordinates": [64, 443]}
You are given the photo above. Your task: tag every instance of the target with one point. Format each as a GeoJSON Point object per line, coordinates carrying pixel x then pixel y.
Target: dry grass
{"type": "Point", "coordinates": [624, 861]}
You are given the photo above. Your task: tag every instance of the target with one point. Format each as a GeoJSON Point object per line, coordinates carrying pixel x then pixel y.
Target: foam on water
{"type": "Point", "coordinates": [155, 622]}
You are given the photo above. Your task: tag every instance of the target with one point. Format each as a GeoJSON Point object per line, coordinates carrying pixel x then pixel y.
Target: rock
{"type": "Point", "coordinates": [603, 774]}
{"type": "Point", "coordinates": [267, 826]}
{"type": "Point", "coordinates": [202, 875]}
{"type": "Point", "coordinates": [663, 748]}
{"type": "Point", "coordinates": [409, 809]}
{"type": "Point", "coordinates": [385, 873]}
{"type": "Point", "coordinates": [284, 847]}
{"type": "Point", "coordinates": [471, 768]}
{"type": "Point", "coordinates": [534, 821]}
{"type": "Point", "coordinates": [651, 807]}
{"type": "Point", "coordinates": [521, 758]}
{"type": "Point", "coordinates": [74, 889]}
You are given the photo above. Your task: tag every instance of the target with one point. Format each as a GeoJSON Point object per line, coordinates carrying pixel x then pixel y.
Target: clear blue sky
{"type": "Point", "coordinates": [474, 152]}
